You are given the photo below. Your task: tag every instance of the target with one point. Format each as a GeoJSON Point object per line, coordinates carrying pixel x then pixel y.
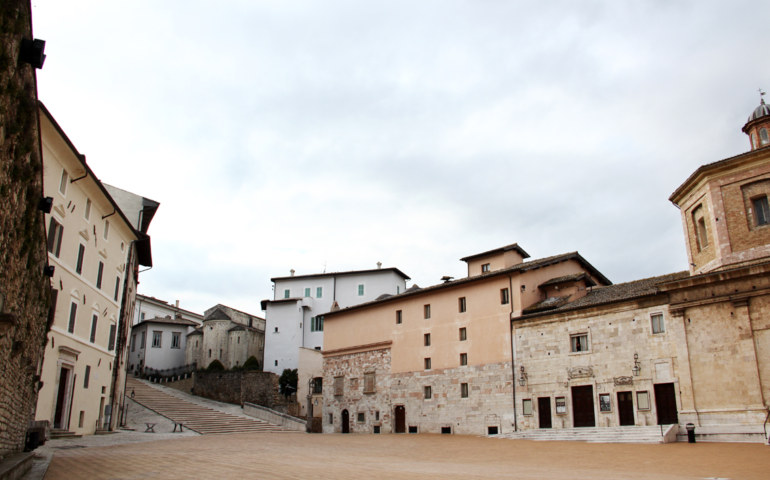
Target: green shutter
{"type": "Point", "coordinates": [312, 324]}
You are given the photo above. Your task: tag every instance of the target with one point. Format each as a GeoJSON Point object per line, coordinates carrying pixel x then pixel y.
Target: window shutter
{"type": "Point", "coordinates": [312, 324]}
{"type": "Point", "coordinates": [113, 330]}
{"type": "Point", "coordinates": [51, 234]}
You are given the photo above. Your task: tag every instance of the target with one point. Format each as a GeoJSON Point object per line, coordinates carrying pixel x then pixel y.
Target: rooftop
{"type": "Point", "coordinates": [513, 246]}
{"type": "Point", "coordinates": [350, 272]}
{"type": "Point", "coordinates": [168, 320]}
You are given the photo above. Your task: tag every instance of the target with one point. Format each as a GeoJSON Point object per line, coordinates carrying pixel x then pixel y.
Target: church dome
{"type": "Point", "coordinates": [761, 111]}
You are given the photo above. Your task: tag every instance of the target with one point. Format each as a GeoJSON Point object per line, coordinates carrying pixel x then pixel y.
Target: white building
{"type": "Point", "coordinates": [291, 315]}
{"type": "Point", "coordinates": [159, 334]}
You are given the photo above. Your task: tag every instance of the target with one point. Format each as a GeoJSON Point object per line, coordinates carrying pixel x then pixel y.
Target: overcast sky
{"type": "Point", "coordinates": [325, 134]}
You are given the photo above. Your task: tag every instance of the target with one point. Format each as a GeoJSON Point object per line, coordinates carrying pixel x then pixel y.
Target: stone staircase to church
{"type": "Point", "coordinates": [650, 434]}
{"type": "Point", "coordinates": [198, 418]}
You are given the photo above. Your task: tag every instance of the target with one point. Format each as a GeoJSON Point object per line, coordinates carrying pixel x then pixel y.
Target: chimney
{"type": "Point", "coordinates": [379, 265]}
{"type": "Point", "coordinates": [177, 304]}
{"type": "Point", "coordinates": [292, 272]}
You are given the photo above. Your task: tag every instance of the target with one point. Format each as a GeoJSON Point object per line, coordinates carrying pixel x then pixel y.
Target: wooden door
{"type": "Point", "coordinates": [626, 408]}
{"type": "Point", "coordinates": [345, 422]}
{"type": "Point", "coordinates": [583, 406]}
{"type": "Point", "coordinates": [544, 411]}
{"type": "Point", "coordinates": [61, 399]}
{"type": "Point", "coordinates": [400, 419]}
{"type": "Point", "coordinates": [665, 403]}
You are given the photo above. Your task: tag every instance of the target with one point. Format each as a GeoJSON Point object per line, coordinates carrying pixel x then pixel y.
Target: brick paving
{"type": "Point", "coordinates": [281, 456]}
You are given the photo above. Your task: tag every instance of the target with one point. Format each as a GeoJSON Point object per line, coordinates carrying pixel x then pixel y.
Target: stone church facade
{"type": "Point", "coordinates": [227, 335]}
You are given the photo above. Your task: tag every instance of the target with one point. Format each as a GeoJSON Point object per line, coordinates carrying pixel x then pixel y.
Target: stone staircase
{"type": "Point", "coordinates": [198, 418]}
{"type": "Point", "coordinates": [58, 433]}
{"type": "Point", "coordinates": [651, 434]}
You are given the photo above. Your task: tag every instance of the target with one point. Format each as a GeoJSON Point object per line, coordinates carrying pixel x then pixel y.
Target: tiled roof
{"type": "Point", "coordinates": [349, 272]}
{"type": "Point", "coordinates": [169, 320]}
{"type": "Point", "coordinates": [240, 326]}
{"type": "Point", "coordinates": [513, 246]}
{"type": "Point", "coordinates": [613, 293]}
{"type": "Point", "coordinates": [217, 314]}
{"type": "Point", "coordinates": [568, 278]}
{"type": "Point", "coordinates": [549, 303]}
{"type": "Point", "coordinates": [197, 331]}
{"type": "Point", "coordinates": [522, 267]}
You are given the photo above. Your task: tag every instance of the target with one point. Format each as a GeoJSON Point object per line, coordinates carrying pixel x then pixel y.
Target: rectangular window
{"type": "Point", "coordinates": [141, 316]}
{"type": "Point", "coordinates": [55, 234]}
{"type": "Point", "coordinates": [133, 342]}
{"type": "Point", "coordinates": [579, 342]}
{"type": "Point", "coordinates": [427, 392]}
{"type": "Point", "coordinates": [427, 364]}
{"type": "Point", "coordinates": [319, 292]}
{"type": "Point", "coordinates": [81, 255]}
{"type": "Point", "coordinates": [398, 289]}
{"type": "Point", "coordinates": [106, 229]}
{"type": "Point", "coordinates": [463, 335]}
{"type": "Point", "coordinates": [504, 297]}
{"type": "Point", "coordinates": [464, 390]}
{"type": "Point", "coordinates": [604, 402]}
{"type": "Point", "coordinates": [73, 317]}
{"type": "Point", "coordinates": [316, 324]}
{"type": "Point", "coordinates": [339, 385]}
{"type": "Point", "coordinates": [99, 275]}
{"type": "Point", "coordinates": [87, 376]}
{"type": "Point", "coordinates": [426, 309]}
{"type": "Point", "coordinates": [94, 320]}
{"type": "Point", "coordinates": [427, 339]}
{"type": "Point", "coordinates": [331, 418]}
{"type": "Point", "coordinates": [318, 385]}
{"type": "Point", "coordinates": [286, 293]}
{"type": "Point", "coordinates": [526, 406]}
{"type": "Point", "coordinates": [462, 304]}
{"type": "Point", "coordinates": [176, 340]}
{"type": "Point", "coordinates": [762, 210]}
{"type": "Point", "coordinates": [312, 324]}
{"type": "Point", "coordinates": [370, 383]}
{"type": "Point", "coordinates": [111, 343]}
{"type": "Point", "coordinates": [377, 415]}
{"type": "Point", "coordinates": [361, 417]}
{"type": "Point", "coordinates": [144, 340]}
{"type": "Point", "coordinates": [485, 268]}
{"type": "Point", "coordinates": [87, 212]}
{"type": "Point", "coordinates": [117, 287]}
{"type": "Point", "coordinates": [463, 359]}
{"type": "Point", "coordinates": [156, 339]}
{"type": "Point", "coordinates": [658, 325]}
{"type": "Point", "coordinates": [398, 316]}
{"type": "Point", "coordinates": [561, 405]}
{"type": "Point", "coordinates": [643, 400]}
{"type": "Point", "coordinates": [307, 292]}
{"type": "Point", "coordinates": [360, 290]}
{"type": "Point", "coordinates": [63, 182]}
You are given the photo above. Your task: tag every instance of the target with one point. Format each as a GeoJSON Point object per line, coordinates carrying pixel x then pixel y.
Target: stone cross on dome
{"type": "Point", "coordinates": [758, 125]}
{"type": "Point", "coordinates": [761, 96]}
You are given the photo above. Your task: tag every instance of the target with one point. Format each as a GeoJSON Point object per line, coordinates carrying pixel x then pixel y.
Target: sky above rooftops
{"type": "Point", "coordinates": [333, 135]}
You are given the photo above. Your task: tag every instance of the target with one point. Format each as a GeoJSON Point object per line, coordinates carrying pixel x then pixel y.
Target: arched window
{"type": "Point", "coordinates": [763, 137]}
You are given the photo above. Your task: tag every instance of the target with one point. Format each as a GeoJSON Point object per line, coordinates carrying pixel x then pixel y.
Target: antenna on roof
{"type": "Point", "coordinates": [324, 266]}
{"type": "Point", "coordinates": [447, 279]}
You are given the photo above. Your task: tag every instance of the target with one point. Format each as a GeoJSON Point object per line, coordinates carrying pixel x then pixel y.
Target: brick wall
{"type": "Point", "coordinates": [24, 288]}
{"type": "Point", "coordinates": [259, 388]}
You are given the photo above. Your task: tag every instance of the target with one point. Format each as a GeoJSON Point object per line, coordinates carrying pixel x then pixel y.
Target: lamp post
{"type": "Point", "coordinates": [310, 387]}
{"type": "Point", "coordinates": [637, 366]}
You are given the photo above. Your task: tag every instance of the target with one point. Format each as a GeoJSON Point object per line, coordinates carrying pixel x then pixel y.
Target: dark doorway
{"type": "Point", "coordinates": [61, 399]}
{"type": "Point", "coordinates": [400, 419]}
{"type": "Point", "coordinates": [626, 409]}
{"type": "Point", "coordinates": [345, 422]}
{"type": "Point", "coordinates": [583, 406]}
{"type": "Point", "coordinates": [665, 402]}
{"type": "Point", "coordinates": [544, 411]}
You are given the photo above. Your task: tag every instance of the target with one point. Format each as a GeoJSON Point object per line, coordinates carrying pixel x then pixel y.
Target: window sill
{"type": "Point", "coordinates": [156, 346]}
{"type": "Point", "coordinates": [580, 353]}
{"type": "Point", "coordinates": [659, 333]}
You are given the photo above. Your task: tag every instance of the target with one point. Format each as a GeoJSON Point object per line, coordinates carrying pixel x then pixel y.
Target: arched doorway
{"type": "Point", "coordinates": [400, 419]}
{"type": "Point", "coordinates": [345, 422]}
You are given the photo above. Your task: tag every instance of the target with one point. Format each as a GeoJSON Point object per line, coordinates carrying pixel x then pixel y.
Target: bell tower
{"type": "Point", "coordinates": [758, 125]}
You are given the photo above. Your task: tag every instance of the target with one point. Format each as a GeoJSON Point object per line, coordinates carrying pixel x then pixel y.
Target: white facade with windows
{"type": "Point", "coordinates": [159, 343]}
{"type": "Point", "coordinates": [291, 316]}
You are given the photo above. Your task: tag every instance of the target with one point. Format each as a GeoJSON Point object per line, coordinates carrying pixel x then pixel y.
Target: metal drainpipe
{"type": "Point", "coordinates": [513, 357]}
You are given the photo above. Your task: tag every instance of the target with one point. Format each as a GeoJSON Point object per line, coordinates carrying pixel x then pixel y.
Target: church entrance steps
{"type": "Point", "coordinates": [651, 434]}
{"type": "Point", "coordinates": [199, 418]}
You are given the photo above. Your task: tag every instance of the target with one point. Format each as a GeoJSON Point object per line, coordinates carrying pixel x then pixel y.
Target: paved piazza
{"type": "Point", "coordinates": [301, 456]}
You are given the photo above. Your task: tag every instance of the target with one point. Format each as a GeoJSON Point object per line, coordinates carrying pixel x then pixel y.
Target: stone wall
{"type": "Point", "coordinates": [489, 401]}
{"type": "Point", "coordinates": [259, 388]}
{"type": "Point", "coordinates": [24, 290]}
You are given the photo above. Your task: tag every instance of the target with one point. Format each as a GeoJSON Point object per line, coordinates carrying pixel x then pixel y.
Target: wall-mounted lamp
{"type": "Point", "coordinates": [523, 377]}
{"type": "Point", "coordinates": [523, 287]}
{"type": "Point", "coordinates": [637, 366]}
{"type": "Point", "coordinates": [48, 271]}
{"type": "Point", "coordinates": [45, 205]}
{"type": "Point", "coordinates": [32, 52]}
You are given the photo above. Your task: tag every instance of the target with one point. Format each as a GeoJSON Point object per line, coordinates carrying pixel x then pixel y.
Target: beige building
{"type": "Point", "coordinates": [437, 359]}
{"type": "Point", "coordinates": [228, 335]}
{"type": "Point", "coordinates": [96, 251]}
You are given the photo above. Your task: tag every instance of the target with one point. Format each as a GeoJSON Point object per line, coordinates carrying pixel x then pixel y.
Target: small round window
{"type": "Point", "coordinates": [763, 136]}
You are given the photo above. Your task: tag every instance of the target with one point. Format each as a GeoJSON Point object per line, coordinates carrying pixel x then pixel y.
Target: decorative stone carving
{"type": "Point", "coordinates": [623, 380]}
{"type": "Point", "coordinates": [580, 372]}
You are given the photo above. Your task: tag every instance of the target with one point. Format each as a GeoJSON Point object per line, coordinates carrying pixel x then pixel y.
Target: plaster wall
{"type": "Point", "coordinates": [310, 367]}
{"type": "Point", "coordinates": [165, 356]}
